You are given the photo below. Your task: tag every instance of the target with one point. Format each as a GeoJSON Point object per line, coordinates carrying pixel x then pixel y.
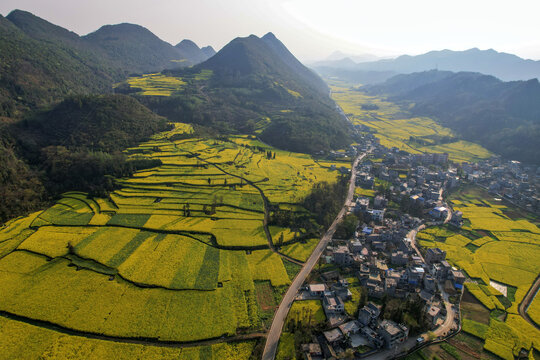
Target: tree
{"type": "Point", "coordinates": [347, 227]}
{"type": "Point", "coordinates": [214, 206]}
{"type": "Point", "coordinates": [363, 297]}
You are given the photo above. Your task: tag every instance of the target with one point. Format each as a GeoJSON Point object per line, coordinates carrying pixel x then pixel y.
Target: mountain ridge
{"type": "Point", "coordinates": [507, 67]}
{"type": "Point", "coordinates": [502, 116]}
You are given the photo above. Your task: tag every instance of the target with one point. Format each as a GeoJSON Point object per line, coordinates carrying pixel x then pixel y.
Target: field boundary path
{"type": "Point", "coordinates": [280, 315]}
{"type": "Point", "coordinates": [527, 300]}
{"type": "Point", "coordinates": [129, 340]}
{"type": "Point", "coordinates": [266, 204]}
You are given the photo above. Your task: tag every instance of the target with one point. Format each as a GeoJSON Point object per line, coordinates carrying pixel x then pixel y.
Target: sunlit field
{"type": "Point", "coordinates": [172, 254]}
{"type": "Point", "coordinates": [395, 128]}
{"type": "Point", "coordinates": [498, 253]}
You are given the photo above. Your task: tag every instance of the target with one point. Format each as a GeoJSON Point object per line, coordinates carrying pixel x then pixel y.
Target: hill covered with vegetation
{"type": "Point", "coordinates": [253, 86]}
{"type": "Point", "coordinates": [37, 73]}
{"type": "Point", "coordinates": [73, 146]}
{"type": "Point", "coordinates": [41, 63]}
{"type": "Point", "coordinates": [502, 116]}
{"type": "Point", "coordinates": [193, 53]}
{"type": "Point", "coordinates": [135, 48]}
{"type": "Point", "coordinates": [95, 123]}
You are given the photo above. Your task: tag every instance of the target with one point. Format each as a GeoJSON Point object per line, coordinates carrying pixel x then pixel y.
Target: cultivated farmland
{"type": "Point", "coordinates": [395, 128]}
{"type": "Point", "coordinates": [24, 341]}
{"type": "Point", "coordinates": [172, 255]}
{"type": "Point", "coordinates": [493, 249]}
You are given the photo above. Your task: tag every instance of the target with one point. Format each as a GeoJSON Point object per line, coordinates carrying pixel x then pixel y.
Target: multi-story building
{"type": "Point", "coordinates": [392, 333]}
{"type": "Point", "coordinates": [435, 255]}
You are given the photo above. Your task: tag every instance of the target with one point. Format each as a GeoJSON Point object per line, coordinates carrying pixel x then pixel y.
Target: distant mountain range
{"type": "Point", "coordinates": [506, 67]}
{"type": "Point", "coordinates": [502, 116]}
{"type": "Point", "coordinates": [354, 58]}
{"type": "Point", "coordinates": [191, 51]}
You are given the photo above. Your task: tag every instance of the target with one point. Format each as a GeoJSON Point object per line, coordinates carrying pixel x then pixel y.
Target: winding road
{"type": "Point", "coordinates": [280, 315]}
{"type": "Point", "coordinates": [527, 300]}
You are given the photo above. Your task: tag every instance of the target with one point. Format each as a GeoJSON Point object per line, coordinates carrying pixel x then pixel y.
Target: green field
{"type": "Point", "coordinates": [173, 254]}
{"type": "Point", "coordinates": [493, 247]}
{"type": "Point", "coordinates": [162, 85]}
{"type": "Point", "coordinates": [394, 127]}
{"type": "Point", "coordinates": [19, 340]}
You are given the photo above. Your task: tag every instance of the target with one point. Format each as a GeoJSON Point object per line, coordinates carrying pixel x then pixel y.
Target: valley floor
{"type": "Point", "coordinates": [394, 127]}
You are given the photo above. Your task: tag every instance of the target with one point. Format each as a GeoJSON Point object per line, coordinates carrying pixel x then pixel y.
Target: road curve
{"type": "Point", "coordinates": [527, 300]}
{"type": "Point", "coordinates": [280, 315]}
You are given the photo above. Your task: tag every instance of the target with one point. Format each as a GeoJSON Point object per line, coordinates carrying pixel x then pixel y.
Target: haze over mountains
{"type": "Point", "coordinates": [502, 116]}
{"type": "Point", "coordinates": [506, 67]}
{"type": "Point", "coordinates": [42, 62]}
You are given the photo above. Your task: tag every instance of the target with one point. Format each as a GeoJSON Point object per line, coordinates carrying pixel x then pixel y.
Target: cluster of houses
{"type": "Point", "coordinates": [390, 271]}
{"type": "Point", "coordinates": [517, 182]}
{"type": "Point", "coordinates": [381, 257]}
{"type": "Point", "coordinates": [509, 179]}
{"type": "Point", "coordinates": [386, 265]}
{"type": "Point", "coordinates": [380, 254]}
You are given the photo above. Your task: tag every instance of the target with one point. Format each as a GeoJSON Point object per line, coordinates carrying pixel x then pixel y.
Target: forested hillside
{"type": "Point", "coordinates": [189, 50]}
{"type": "Point", "coordinates": [502, 116]}
{"type": "Point", "coordinates": [41, 62]}
{"type": "Point", "coordinates": [256, 86]}
{"type": "Point", "coordinates": [74, 145]}
{"type": "Point", "coordinates": [36, 73]}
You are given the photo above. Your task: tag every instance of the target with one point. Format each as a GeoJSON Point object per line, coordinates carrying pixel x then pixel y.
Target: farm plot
{"type": "Point", "coordinates": [395, 128]}
{"type": "Point", "coordinates": [25, 341]}
{"type": "Point", "coordinates": [534, 310]}
{"type": "Point", "coordinates": [87, 301]}
{"type": "Point", "coordinates": [156, 84]}
{"type": "Point", "coordinates": [494, 249]}
{"type": "Point", "coordinates": [300, 250]}
{"type": "Point", "coordinates": [172, 254]}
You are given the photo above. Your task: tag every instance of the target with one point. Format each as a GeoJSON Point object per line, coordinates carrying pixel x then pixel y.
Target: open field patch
{"type": "Point", "coordinates": [503, 265]}
{"type": "Point", "coordinates": [172, 254]}
{"type": "Point", "coordinates": [22, 340]}
{"type": "Point", "coordinates": [394, 127]}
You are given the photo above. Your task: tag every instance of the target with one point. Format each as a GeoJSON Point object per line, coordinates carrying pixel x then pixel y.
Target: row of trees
{"type": "Point", "coordinates": [325, 201]}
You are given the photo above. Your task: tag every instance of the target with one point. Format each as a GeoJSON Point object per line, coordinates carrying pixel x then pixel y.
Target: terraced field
{"type": "Point", "coordinates": [172, 255]}
{"type": "Point", "coordinates": [162, 85]}
{"type": "Point", "coordinates": [495, 250]}
{"type": "Point", "coordinates": [396, 128]}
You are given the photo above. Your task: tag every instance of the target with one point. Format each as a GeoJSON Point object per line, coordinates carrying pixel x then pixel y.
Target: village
{"type": "Point", "coordinates": [398, 194]}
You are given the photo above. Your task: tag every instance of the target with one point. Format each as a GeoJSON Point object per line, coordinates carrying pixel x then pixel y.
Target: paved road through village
{"type": "Point", "coordinates": [272, 340]}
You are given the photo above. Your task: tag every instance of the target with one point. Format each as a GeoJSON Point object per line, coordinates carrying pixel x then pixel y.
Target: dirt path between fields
{"type": "Point", "coordinates": [130, 340]}
{"type": "Point", "coordinates": [266, 203]}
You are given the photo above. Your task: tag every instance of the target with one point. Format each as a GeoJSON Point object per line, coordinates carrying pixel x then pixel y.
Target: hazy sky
{"type": "Point", "coordinates": [312, 29]}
